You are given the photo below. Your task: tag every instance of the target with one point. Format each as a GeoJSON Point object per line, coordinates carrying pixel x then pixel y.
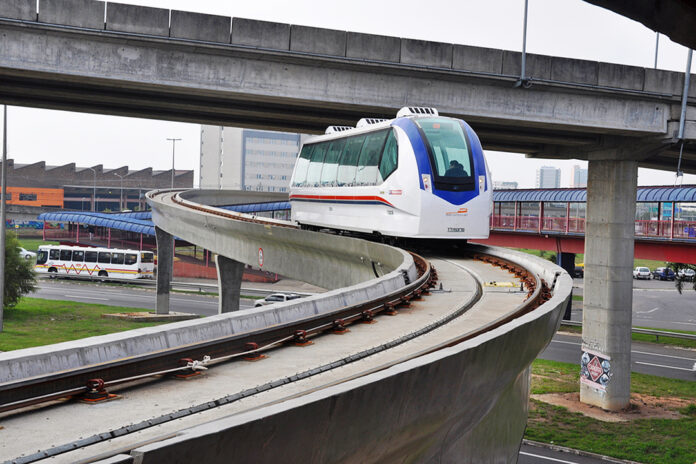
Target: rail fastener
{"type": "Point", "coordinates": [339, 327]}
{"type": "Point", "coordinates": [96, 392]}
{"type": "Point", "coordinates": [368, 317]}
{"type": "Point", "coordinates": [252, 353]}
{"type": "Point", "coordinates": [187, 373]}
{"type": "Point", "coordinates": [300, 338]}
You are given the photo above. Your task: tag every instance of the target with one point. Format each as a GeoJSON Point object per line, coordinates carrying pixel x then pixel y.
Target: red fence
{"type": "Point", "coordinates": [677, 229]}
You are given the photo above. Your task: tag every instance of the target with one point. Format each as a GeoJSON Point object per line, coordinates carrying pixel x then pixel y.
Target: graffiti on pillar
{"type": "Point", "coordinates": [595, 369]}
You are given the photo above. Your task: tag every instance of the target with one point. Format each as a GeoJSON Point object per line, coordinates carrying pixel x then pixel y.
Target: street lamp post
{"type": "Point", "coordinates": [94, 190]}
{"type": "Point", "coordinates": [120, 199]}
{"type": "Point", "coordinates": [173, 145]}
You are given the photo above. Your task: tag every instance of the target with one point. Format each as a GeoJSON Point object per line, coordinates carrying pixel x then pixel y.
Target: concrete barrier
{"type": "Point", "coordinates": [317, 40]}
{"type": "Point", "coordinates": [422, 52]}
{"type": "Point", "coordinates": [373, 47]}
{"type": "Point", "coordinates": [18, 9]}
{"type": "Point", "coordinates": [78, 13]}
{"type": "Point", "coordinates": [463, 403]}
{"type": "Point", "coordinates": [262, 34]}
{"type": "Point", "coordinates": [198, 26]}
{"type": "Point", "coordinates": [137, 19]}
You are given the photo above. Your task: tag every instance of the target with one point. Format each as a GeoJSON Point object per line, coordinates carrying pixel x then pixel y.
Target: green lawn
{"type": "Point", "coordinates": [32, 244]}
{"type": "Point", "coordinates": [657, 441]}
{"type": "Point", "coordinates": [36, 322]}
{"type": "Point", "coordinates": [580, 258]}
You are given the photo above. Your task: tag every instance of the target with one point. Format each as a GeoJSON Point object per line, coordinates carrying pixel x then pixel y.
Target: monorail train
{"type": "Point", "coordinates": [419, 175]}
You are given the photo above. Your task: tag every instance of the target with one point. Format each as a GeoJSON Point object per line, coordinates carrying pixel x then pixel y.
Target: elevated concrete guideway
{"type": "Point", "coordinates": [235, 71]}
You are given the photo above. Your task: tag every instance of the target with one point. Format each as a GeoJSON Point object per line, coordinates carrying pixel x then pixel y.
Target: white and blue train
{"type": "Point", "coordinates": [419, 175]}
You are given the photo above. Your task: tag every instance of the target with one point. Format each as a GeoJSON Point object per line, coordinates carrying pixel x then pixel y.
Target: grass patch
{"type": "Point", "coordinates": [580, 258]}
{"type": "Point", "coordinates": [645, 338]}
{"type": "Point", "coordinates": [577, 298]}
{"type": "Point", "coordinates": [647, 440]}
{"type": "Point", "coordinates": [32, 244]}
{"type": "Point", "coordinates": [37, 322]}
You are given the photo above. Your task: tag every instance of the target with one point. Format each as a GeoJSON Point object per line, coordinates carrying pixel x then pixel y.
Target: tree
{"type": "Point", "coordinates": [683, 273]}
{"type": "Point", "coordinates": [19, 273]}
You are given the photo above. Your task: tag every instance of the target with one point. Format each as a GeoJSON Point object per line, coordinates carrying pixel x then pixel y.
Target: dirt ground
{"type": "Point", "coordinates": [642, 407]}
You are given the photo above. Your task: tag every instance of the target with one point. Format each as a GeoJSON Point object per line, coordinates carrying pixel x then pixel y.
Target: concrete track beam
{"type": "Point", "coordinates": [567, 262]}
{"type": "Point", "coordinates": [229, 283]}
{"type": "Point", "coordinates": [608, 294]}
{"type": "Point", "coordinates": [165, 269]}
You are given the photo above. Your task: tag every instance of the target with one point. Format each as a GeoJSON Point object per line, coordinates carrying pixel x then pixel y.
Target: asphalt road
{"type": "Point", "coordinates": [657, 304]}
{"type": "Point", "coordinates": [89, 292]}
{"type": "Point", "coordinates": [646, 358]}
{"type": "Point", "coordinates": [537, 455]}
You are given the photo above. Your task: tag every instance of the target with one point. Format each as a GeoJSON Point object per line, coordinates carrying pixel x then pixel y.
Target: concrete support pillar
{"type": "Point", "coordinates": [567, 262]}
{"type": "Point", "coordinates": [609, 236]}
{"type": "Point", "coordinates": [165, 269]}
{"type": "Point", "coordinates": [229, 274]}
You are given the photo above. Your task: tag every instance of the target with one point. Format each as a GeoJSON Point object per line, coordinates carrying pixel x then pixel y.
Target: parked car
{"type": "Point", "coordinates": [276, 298]}
{"type": "Point", "coordinates": [642, 273]}
{"type": "Point", "coordinates": [687, 274]}
{"type": "Point", "coordinates": [664, 273]}
{"type": "Point", "coordinates": [26, 254]}
{"type": "Point", "coordinates": [579, 271]}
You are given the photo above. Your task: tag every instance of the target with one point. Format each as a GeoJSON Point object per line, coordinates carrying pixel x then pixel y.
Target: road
{"type": "Point", "coordinates": [646, 358]}
{"type": "Point", "coordinates": [89, 292]}
{"type": "Point", "coordinates": [657, 304]}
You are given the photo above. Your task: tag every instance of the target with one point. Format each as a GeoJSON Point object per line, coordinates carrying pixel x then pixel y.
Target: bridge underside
{"type": "Point", "coordinates": [673, 18]}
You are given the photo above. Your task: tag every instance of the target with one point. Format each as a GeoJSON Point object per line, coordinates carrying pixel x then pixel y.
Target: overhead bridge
{"type": "Point", "coordinates": [442, 374]}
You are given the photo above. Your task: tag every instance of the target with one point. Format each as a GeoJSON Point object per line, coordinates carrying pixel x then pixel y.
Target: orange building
{"type": "Point", "coordinates": [34, 196]}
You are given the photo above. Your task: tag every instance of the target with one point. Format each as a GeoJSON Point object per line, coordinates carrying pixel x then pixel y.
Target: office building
{"type": "Point", "coordinates": [579, 177]}
{"type": "Point", "coordinates": [246, 159]}
{"type": "Point", "coordinates": [548, 177]}
{"type": "Point", "coordinates": [504, 185]}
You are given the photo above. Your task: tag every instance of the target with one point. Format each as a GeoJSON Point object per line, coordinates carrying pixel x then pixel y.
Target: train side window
{"type": "Point", "coordinates": [116, 258]}
{"type": "Point", "coordinates": [349, 160]}
{"type": "Point", "coordinates": [104, 257]}
{"type": "Point", "coordinates": [90, 256]}
{"type": "Point", "coordinates": [389, 157]}
{"type": "Point", "coordinates": [78, 255]}
{"type": "Point", "coordinates": [54, 254]}
{"type": "Point", "coordinates": [368, 163]}
{"type": "Point", "coordinates": [333, 155]}
{"type": "Point", "coordinates": [316, 163]}
{"type": "Point", "coordinates": [65, 255]}
{"type": "Point", "coordinates": [300, 175]}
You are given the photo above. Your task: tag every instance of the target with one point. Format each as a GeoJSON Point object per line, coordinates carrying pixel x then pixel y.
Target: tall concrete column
{"type": "Point", "coordinates": [165, 269]}
{"type": "Point", "coordinates": [567, 262]}
{"type": "Point", "coordinates": [609, 234]}
{"type": "Point", "coordinates": [229, 274]}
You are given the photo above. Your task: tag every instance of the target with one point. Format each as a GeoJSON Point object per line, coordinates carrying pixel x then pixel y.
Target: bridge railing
{"type": "Point", "coordinates": [663, 229]}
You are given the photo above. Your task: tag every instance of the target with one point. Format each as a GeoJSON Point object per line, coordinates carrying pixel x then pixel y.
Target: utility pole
{"type": "Point", "coordinates": [173, 145]}
{"type": "Point", "coordinates": [3, 214]}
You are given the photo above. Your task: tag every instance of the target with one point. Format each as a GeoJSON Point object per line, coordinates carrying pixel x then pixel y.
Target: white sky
{"type": "Point", "coordinates": [570, 28]}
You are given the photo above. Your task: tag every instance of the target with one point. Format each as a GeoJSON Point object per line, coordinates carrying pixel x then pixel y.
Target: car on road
{"type": "Point", "coordinates": [687, 274]}
{"type": "Point", "coordinates": [276, 298]}
{"type": "Point", "coordinates": [642, 273]}
{"type": "Point", "coordinates": [664, 273]}
{"type": "Point", "coordinates": [26, 254]}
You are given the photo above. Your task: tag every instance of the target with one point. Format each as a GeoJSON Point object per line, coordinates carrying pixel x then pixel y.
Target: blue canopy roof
{"type": "Point", "coordinates": [141, 221]}
{"type": "Point", "coordinates": [684, 194]}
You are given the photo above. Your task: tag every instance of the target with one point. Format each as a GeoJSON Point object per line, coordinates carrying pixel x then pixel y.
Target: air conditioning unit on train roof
{"type": "Point", "coordinates": [416, 111]}
{"type": "Point", "coordinates": [334, 129]}
{"type": "Point", "coordinates": [369, 121]}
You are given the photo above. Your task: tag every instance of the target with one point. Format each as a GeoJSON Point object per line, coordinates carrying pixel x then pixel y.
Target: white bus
{"type": "Point", "coordinates": [87, 262]}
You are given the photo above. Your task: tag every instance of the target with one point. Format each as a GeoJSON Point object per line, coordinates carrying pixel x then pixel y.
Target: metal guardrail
{"type": "Point", "coordinates": [638, 330]}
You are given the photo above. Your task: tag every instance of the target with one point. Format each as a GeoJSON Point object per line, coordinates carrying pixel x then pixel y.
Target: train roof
{"type": "Point", "coordinates": [366, 125]}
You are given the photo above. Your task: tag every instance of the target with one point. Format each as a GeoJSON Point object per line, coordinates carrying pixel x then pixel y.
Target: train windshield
{"type": "Point", "coordinates": [450, 155]}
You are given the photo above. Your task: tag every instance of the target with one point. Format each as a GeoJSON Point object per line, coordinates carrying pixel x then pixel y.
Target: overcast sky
{"type": "Point", "coordinates": [569, 28]}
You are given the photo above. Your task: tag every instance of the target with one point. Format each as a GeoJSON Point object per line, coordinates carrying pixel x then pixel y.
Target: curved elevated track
{"type": "Point", "coordinates": [447, 379]}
